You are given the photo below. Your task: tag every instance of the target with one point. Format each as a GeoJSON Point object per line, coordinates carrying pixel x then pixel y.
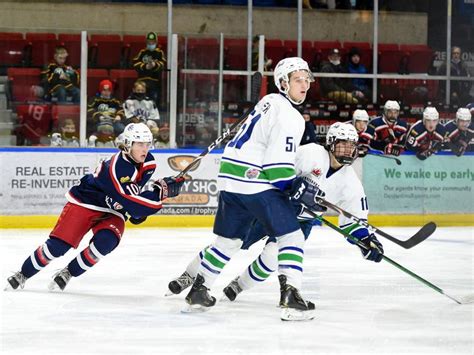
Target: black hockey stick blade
{"type": "Point", "coordinates": [425, 231]}
{"type": "Point", "coordinates": [398, 161]}
{"type": "Point", "coordinates": [254, 95]}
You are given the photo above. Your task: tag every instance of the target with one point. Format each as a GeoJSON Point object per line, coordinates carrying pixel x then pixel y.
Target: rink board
{"type": "Point", "coordinates": [34, 181]}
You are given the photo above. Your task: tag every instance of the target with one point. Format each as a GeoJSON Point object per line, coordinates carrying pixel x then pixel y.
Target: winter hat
{"type": "Point", "coordinates": [106, 84]}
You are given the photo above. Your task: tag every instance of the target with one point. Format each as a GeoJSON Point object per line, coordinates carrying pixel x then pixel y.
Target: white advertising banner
{"type": "Point", "coordinates": [33, 181]}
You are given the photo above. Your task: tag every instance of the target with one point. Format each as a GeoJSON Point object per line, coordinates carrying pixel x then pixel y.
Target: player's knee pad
{"type": "Point", "coordinates": [104, 241]}
{"type": "Point", "coordinates": [56, 247]}
{"type": "Point", "coordinates": [230, 246]}
{"type": "Point", "coordinates": [295, 238]}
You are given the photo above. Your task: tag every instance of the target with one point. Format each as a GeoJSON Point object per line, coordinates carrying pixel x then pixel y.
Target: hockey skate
{"type": "Point", "coordinates": [60, 280]}
{"type": "Point", "coordinates": [294, 307]}
{"type": "Point", "coordinates": [233, 289]}
{"type": "Point", "coordinates": [15, 281]}
{"type": "Point", "coordinates": [198, 298]}
{"type": "Point", "coordinates": [179, 284]}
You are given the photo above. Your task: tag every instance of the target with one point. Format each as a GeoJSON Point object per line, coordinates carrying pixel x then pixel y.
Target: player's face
{"type": "Point", "coordinates": [463, 125]}
{"type": "Point", "coordinates": [299, 85]}
{"type": "Point", "coordinates": [360, 126]}
{"type": "Point", "coordinates": [139, 151]}
{"type": "Point", "coordinates": [345, 149]}
{"type": "Point", "coordinates": [391, 115]}
{"type": "Point", "coordinates": [430, 125]}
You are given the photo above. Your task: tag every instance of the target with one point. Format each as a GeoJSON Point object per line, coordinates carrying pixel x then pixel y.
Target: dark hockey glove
{"type": "Point", "coordinates": [373, 249]}
{"type": "Point", "coordinates": [459, 148]}
{"type": "Point", "coordinates": [306, 193]}
{"type": "Point", "coordinates": [168, 187]}
{"type": "Point", "coordinates": [362, 150]}
{"type": "Point", "coordinates": [393, 149]}
{"type": "Point", "coordinates": [137, 220]}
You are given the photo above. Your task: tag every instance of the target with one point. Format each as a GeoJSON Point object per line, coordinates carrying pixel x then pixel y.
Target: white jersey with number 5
{"type": "Point", "coordinates": [262, 154]}
{"type": "Point", "coordinates": [343, 188]}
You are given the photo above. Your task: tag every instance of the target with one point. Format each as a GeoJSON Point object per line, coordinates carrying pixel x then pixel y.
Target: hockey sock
{"type": "Point", "coordinates": [193, 266]}
{"type": "Point", "coordinates": [53, 248]}
{"type": "Point", "coordinates": [216, 257]}
{"type": "Point", "coordinates": [261, 268]}
{"type": "Point", "coordinates": [290, 257]}
{"type": "Point", "coordinates": [103, 242]}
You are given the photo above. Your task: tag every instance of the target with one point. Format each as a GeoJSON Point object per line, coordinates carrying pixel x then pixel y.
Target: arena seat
{"type": "Point", "coordinates": [389, 57]}
{"type": "Point", "coordinates": [123, 80]}
{"type": "Point", "coordinates": [105, 51]}
{"type": "Point", "coordinates": [34, 121]}
{"type": "Point", "coordinates": [420, 57]}
{"type": "Point", "coordinates": [12, 49]}
{"type": "Point", "coordinates": [274, 50]}
{"type": "Point", "coordinates": [94, 77]}
{"type": "Point", "coordinates": [291, 47]}
{"type": "Point", "coordinates": [234, 88]}
{"type": "Point", "coordinates": [72, 42]}
{"type": "Point", "coordinates": [41, 48]}
{"type": "Point", "coordinates": [132, 45]}
{"type": "Point", "coordinates": [203, 53]}
{"type": "Point", "coordinates": [22, 80]}
{"type": "Point", "coordinates": [235, 53]}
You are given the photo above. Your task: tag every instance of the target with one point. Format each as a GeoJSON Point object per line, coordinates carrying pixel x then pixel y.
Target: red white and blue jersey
{"type": "Point", "coordinates": [454, 134]}
{"type": "Point", "coordinates": [420, 140]}
{"type": "Point", "coordinates": [364, 139]}
{"type": "Point", "coordinates": [380, 133]}
{"type": "Point", "coordinates": [117, 187]}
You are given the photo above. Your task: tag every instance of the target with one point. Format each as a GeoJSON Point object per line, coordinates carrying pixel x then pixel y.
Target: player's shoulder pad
{"type": "Point", "coordinates": [123, 167]}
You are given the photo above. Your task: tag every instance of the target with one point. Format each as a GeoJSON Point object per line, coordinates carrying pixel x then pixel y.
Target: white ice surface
{"type": "Point", "coordinates": [118, 307]}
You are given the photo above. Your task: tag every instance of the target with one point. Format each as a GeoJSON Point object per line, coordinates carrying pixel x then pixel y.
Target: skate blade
{"type": "Point", "coordinates": [195, 308]}
{"type": "Point", "coordinates": [225, 298]}
{"type": "Point", "coordinates": [169, 293]}
{"type": "Point", "coordinates": [53, 286]}
{"type": "Point", "coordinates": [291, 314]}
{"type": "Point", "coordinates": [8, 287]}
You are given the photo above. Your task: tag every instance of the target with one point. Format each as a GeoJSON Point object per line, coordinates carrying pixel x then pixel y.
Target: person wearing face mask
{"type": "Point", "coordinates": [149, 63]}
{"type": "Point", "coordinates": [459, 89]}
{"type": "Point", "coordinates": [336, 89]}
{"type": "Point", "coordinates": [68, 136]}
{"type": "Point", "coordinates": [139, 107]}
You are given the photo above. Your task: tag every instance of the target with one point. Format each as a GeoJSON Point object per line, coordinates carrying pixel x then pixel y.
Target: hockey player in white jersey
{"type": "Point", "coordinates": [255, 179]}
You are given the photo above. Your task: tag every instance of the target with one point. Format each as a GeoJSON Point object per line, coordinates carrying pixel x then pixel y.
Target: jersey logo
{"type": "Point", "coordinates": [317, 172]}
{"type": "Point", "coordinates": [124, 179]}
{"type": "Point", "coordinates": [252, 174]}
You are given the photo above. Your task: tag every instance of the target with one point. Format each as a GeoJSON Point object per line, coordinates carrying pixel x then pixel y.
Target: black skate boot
{"type": "Point", "coordinates": [294, 307]}
{"type": "Point", "coordinates": [15, 281]}
{"type": "Point", "coordinates": [179, 284]}
{"type": "Point", "coordinates": [60, 279]}
{"type": "Point", "coordinates": [198, 298]}
{"type": "Point", "coordinates": [233, 289]}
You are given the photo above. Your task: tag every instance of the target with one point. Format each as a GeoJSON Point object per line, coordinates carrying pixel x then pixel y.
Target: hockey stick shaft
{"type": "Point", "coordinates": [390, 261]}
{"type": "Point", "coordinates": [398, 161]}
{"type": "Point", "coordinates": [254, 96]}
{"type": "Point", "coordinates": [420, 236]}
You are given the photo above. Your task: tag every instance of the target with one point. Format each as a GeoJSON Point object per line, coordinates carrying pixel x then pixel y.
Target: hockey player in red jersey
{"type": "Point", "coordinates": [102, 202]}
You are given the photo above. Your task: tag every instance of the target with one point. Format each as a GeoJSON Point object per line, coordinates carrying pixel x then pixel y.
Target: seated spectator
{"type": "Point", "coordinates": [459, 89]}
{"type": "Point", "coordinates": [360, 120]}
{"type": "Point", "coordinates": [336, 89]}
{"type": "Point", "coordinates": [163, 138]}
{"type": "Point", "coordinates": [267, 62]}
{"type": "Point", "coordinates": [103, 137]}
{"type": "Point", "coordinates": [139, 107]}
{"type": "Point", "coordinates": [360, 89]}
{"type": "Point", "coordinates": [105, 109]}
{"type": "Point", "coordinates": [426, 136]}
{"type": "Point", "coordinates": [68, 137]}
{"type": "Point", "coordinates": [149, 63]}
{"type": "Point", "coordinates": [61, 80]}
{"type": "Point", "coordinates": [460, 132]}
{"type": "Point", "coordinates": [386, 133]}
{"type": "Point", "coordinates": [309, 135]}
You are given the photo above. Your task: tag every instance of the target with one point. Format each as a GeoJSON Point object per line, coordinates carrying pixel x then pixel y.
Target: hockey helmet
{"type": "Point", "coordinates": [360, 115]}
{"type": "Point", "coordinates": [136, 132]}
{"type": "Point", "coordinates": [391, 105]}
{"type": "Point", "coordinates": [344, 132]}
{"type": "Point", "coordinates": [430, 114]}
{"type": "Point", "coordinates": [463, 114]}
{"type": "Point", "coordinates": [287, 66]}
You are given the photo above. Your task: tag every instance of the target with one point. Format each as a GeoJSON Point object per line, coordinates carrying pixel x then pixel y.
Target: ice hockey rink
{"type": "Point", "coordinates": [118, 307]}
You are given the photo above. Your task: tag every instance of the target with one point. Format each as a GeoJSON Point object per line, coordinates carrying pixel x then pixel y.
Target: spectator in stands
{"type": "Point", "coordinates": [459, 89]}
{"type": "Point", "coordinates": [139, 107]}
{"type": "Point", "coordinates": [309, 135]}
{"type": "Point", "coordinates": [267, 62]}
{"type": "Point", "coordinates": [105, 109]}
{"type": "Point", "coordinates": [149, 63]}
{"type": "Point", "coordinates": [68, 137]}
{"type": "Point", "coordinates": [103, 137]}
{"type": "Point", "coordinates": [360, 89]}
{"type": "Point", "coordinates": [426, 136]}
{"type": "Point", "coordinates": [336, 89]}
{"type": "Point", "coordinates": [163, 138]}
{"type": "Point", "coordinates": [60, 79]}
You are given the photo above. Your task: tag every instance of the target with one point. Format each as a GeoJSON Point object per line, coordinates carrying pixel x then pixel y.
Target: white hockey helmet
{"type": "Point", "coordinates": [430, 114]}
{"type": "Point", "coordinates": [391, 105]}
{"type": "Point", "coordinates": [360, 115]}
{"type": "Point", "coordinates": [340, 131]}
{"type": "Point", "coordinates": [136, 132]}
{"type": "Point", "coordinates": [287, 66]}
{"type": "Point", "coordinates": [463, 114]}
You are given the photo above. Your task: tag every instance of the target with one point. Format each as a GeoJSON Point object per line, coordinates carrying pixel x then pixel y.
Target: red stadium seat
{"type": "Point", "coordinates": [235, 53]}
{"type": "Point", "coordinates": [203, 53]}
{"type": "Point", "coordinates": [41, 47]}
{"type": "Point", "coordinates": [274, 50]}
{"type": "Point", "coordinates": [389, 89]}
{"type": "Point", "coordinates": [94, 77]}
{"type": "Point", "coordinates": [35, 121]}
{"type": "Point", "coordinates": [389, 58]}
{"type": "Point", "coordinates": [105, 51]}
{"type": "Point", "coordinates": [234, 88]}
{"type": "Point", "coordinates": [123, 79]}
{"type": "Point", "coordinates": [12, 49]}
{"type": "Point", "coordinates": [291, 48]}
{"type": "Point", "coordinates": [62, 112]}
{"type": "Point", "coordinates": [22, 80]}
{"type": "Point", "coordinates": [132, 45]}
{"type": "Point", "coordinates": [72, 42]}
{"type": "Point", "coordinates": [419, 57]}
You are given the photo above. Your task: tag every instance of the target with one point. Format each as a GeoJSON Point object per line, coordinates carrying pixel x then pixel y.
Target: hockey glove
{"type": "Point", "coordinates": [424, 154]}
{"type": "Point", "coordinates": [393, 149]}
{"type": "Point", "coordinates": [362, 151]}
{"type": "Point", "coordinates": [306, 193]}
{"type": "Point", "coordinates": [459, 148]}
{"type": "Point", "coordinates": [373, 250]}
{"type": "Point", "coordinates": [138, 220]}
{"type": "Point", "coordinates": [168, 187]}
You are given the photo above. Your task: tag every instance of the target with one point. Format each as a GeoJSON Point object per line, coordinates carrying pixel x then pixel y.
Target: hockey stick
{"type": "Point", "coordinates": [398, 161]}
{"type": "Point", "coordinates": [394, 263]}
{"type": "Point", "coordinates": [416, 239]}
{"type": "Point", "coordinates": [254, 97]}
